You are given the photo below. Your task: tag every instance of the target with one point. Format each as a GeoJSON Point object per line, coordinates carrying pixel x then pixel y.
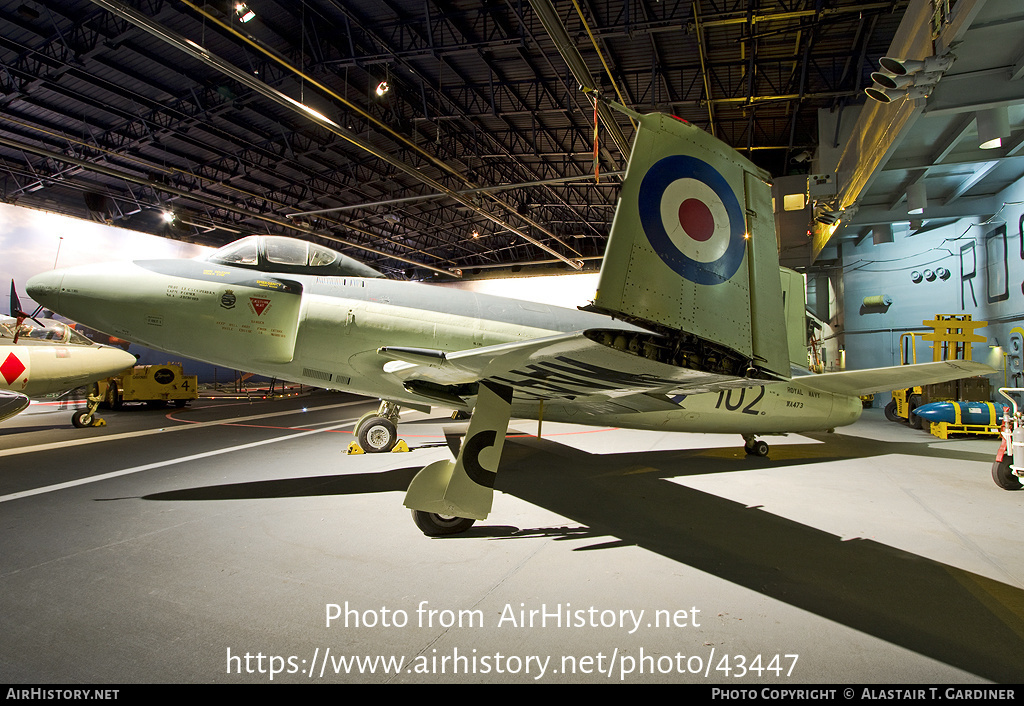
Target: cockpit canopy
{"type": "Point", "coordinates": [44, 330]}
{"type": "Point", "coordinates": [276, 253]}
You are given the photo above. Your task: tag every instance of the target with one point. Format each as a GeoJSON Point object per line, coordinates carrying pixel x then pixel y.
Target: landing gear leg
{"type": "Point", "coordinates": [446, 497]}
{"type": "Point", "coordinates": [377, 432]}
{"type": "Point", "coordinates": [87, 417]}
{"type": "Point", "coordinates": [755, 447]}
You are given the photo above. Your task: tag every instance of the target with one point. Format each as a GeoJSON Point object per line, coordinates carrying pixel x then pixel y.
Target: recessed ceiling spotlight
{"type": "Point", "coordinates": [244, 13]}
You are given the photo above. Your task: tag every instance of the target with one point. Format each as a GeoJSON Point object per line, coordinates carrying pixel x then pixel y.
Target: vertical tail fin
{"type": "Point", "coordinates": [692, 252]}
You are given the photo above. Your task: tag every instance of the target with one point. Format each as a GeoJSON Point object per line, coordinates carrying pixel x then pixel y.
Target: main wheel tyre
{"type": "Point", "coordinates": [81, 419]}
{"type": "Point", "coordinates": [377, 435]}
{"type": "Point", "coordinates": [434, 525]}
{"type": "Point", "coordinates": [1003, 476]}
{"type": "Point", "coordinates": [890, 412]}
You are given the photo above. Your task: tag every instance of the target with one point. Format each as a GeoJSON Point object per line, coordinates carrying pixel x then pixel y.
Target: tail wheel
{"type": "Point", "coordinates": [377, 435]}
{"type": "Point", "coordinates": [756, 447]}
{"type": "Point", "coordinates": [435, 525]}
{"type": "Point", "coordinates": [1003, 476]}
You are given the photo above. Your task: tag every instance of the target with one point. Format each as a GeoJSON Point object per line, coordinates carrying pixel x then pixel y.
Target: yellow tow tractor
{"type": "Point", "coordinates": [153, 385]}
{"type": "Point", "coordinates": [951, 338]}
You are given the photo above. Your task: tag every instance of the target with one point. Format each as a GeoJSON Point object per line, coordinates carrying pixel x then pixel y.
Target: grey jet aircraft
{"type": "Point", "coordinates": [694, 327]}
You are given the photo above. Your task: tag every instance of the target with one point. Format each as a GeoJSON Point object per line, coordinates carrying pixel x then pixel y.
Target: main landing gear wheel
{"type": "Point", "coordinates": [82, 418]}
{"type": "Point", "coordinates": [434, 525]}
{"type": "Point", "coordinates": [377, 435]}
{"type": "Point", "coordinates": [1003, 476]}
{"type": "Point", "coordinates": [87, 417]}
{"type": "Point", "coordinates": [756, 447]}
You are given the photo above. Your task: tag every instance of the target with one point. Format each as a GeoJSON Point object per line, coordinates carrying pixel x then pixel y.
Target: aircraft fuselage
{"type": "Point", "coordinates": [326, 331]}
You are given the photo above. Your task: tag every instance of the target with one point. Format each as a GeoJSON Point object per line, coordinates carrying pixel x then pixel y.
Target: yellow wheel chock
{"type": "Point", "coordinates": [400, 447]}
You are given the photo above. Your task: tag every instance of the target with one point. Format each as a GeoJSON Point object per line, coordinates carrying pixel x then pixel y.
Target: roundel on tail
{"type": "Point", "coordinates": [692, 219]}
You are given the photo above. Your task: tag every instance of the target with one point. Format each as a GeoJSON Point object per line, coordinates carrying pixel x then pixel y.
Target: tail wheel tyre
{"type": "Point", "coordinates": [756, 448]}
{"type": "Point", "coordinates": [890, 411]}
{"type": "Point", "coordinates": [1003, 476]}
{"type": "Point", "coordinates": [377, 435]}
{"type": "Point", "coordinates": [435, 525]}
{"type": "Point", "coordinates": [81, 418]}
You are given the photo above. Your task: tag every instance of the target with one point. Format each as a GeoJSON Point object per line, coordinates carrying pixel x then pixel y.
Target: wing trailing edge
{"type": "Point", "coordinates": [866, 382]}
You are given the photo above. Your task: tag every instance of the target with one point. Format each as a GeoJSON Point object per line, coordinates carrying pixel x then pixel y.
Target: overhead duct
{"type": "Point", "coordinates": [548, 16]}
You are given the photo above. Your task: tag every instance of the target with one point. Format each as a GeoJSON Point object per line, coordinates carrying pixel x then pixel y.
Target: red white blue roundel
{"type": "Point", "coordinates": [692, 219]}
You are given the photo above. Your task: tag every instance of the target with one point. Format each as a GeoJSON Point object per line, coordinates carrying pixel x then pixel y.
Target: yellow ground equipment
{"type": "Point", "coordinates": [155, 385]}
{"type": "Point", "coordinates": [951, 338]}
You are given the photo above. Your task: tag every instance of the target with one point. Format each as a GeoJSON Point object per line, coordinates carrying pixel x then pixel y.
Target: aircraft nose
{"type": "Point", "coordinates": [113, 360]}
{"type": "Point", "coordinates": [45, 288]}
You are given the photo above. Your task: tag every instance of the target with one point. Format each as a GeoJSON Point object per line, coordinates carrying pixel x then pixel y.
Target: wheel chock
{"type": "Point", "coordinates": [99, 422]}
{"type": "Point", "coordinates": [400, 447]}
{"type": "Point", "coordinates": [354, 448]}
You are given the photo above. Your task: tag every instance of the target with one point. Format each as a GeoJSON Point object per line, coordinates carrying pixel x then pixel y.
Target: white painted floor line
{"type": "Point", "coordinates": [168, 462]}
{"type": "Point", "coordinates": [164, 430]}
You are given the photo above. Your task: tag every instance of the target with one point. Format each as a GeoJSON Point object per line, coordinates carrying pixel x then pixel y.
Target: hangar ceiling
{"type": "Point", "coordinates": [480, 156]}
{"type": "Point", "coordinates": [938, 148]}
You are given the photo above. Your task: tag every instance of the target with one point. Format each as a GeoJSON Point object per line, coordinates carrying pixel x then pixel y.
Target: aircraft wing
{"type": "Point", "coordinates": [567, 366]}
{"type": "Point", "coordinates": [866, 382]}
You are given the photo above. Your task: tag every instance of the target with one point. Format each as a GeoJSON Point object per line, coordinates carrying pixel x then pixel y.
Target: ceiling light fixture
{"type": "Point", "coordinates": [993, 127]}
{"type": "Point", "coordinates": [906, 78]}
{"type": "Point", "coordinates": [902, 67]}
{"type": "Point", "coordinates": [244, 13]}
{"type": "Point", "coordinates": [382, 88]}
{"type": "Point", "coordinates": [917, 198]}
{"type": "Point", "coordinates": [882, 233]}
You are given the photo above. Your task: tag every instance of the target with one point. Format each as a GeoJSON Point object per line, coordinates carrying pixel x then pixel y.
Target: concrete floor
{"type": "Point", "coordinates": [210, 544]}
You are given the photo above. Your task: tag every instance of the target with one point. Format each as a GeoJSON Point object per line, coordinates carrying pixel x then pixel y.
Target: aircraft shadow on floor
{"type": "Point", "coordinates": [955, 616]}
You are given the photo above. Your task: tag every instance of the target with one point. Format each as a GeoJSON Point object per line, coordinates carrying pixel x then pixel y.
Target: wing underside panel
{"type": "Point", "coordinates": [574, 366]}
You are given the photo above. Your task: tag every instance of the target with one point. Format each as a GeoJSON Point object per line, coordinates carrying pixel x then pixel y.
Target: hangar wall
{"type": "Point", "coordinates": [985, 264]}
